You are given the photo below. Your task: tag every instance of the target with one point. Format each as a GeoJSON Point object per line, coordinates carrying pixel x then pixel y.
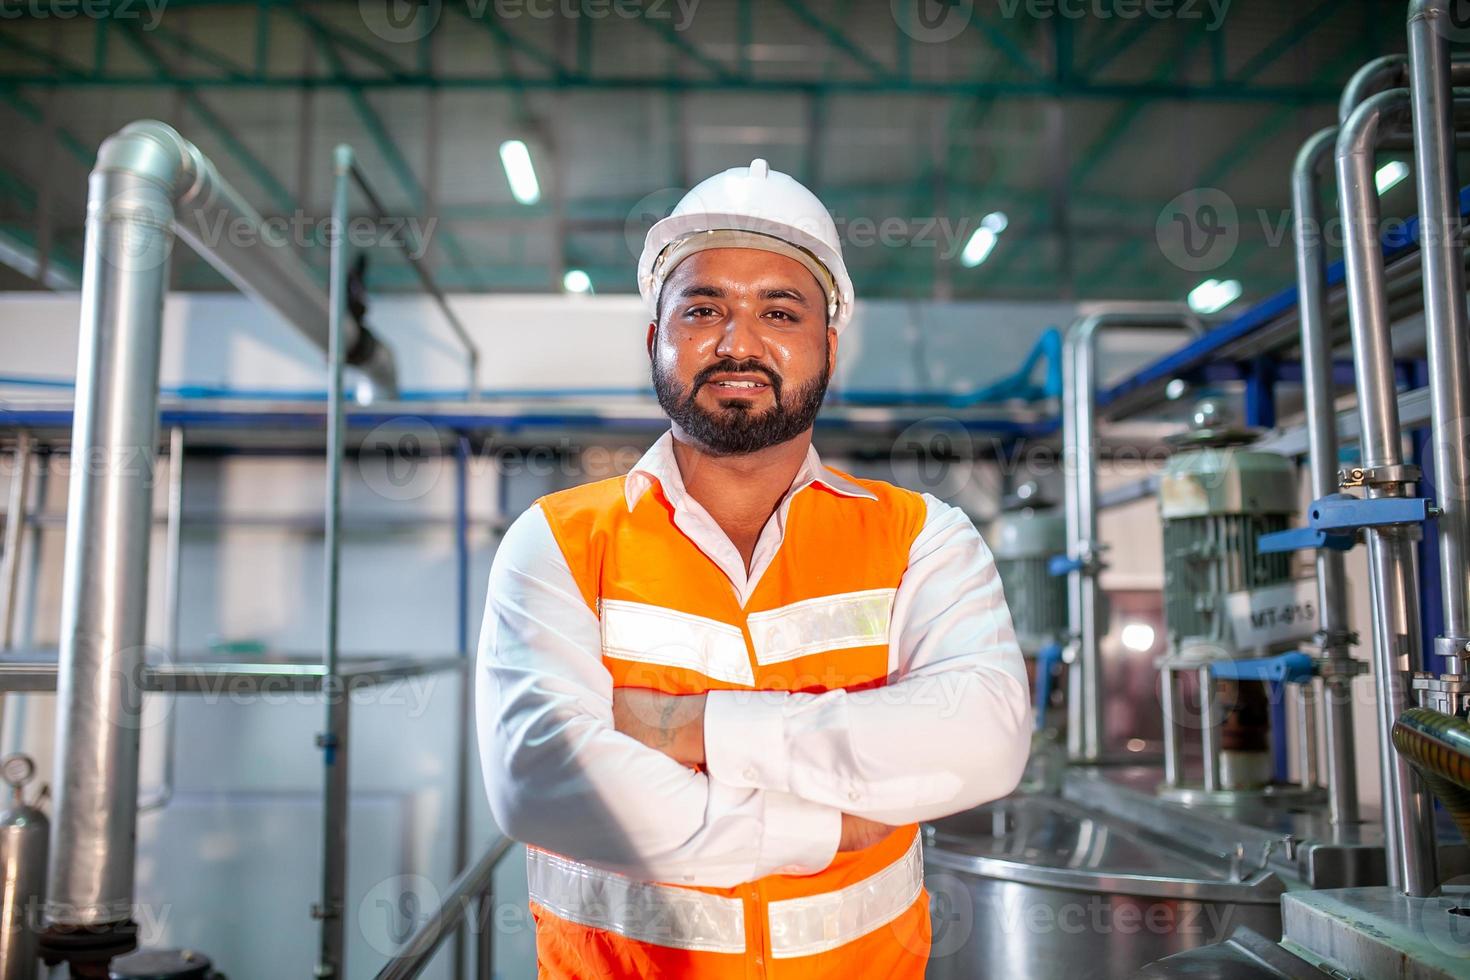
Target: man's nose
{"type": "Point", "coordinates": [741, 338]}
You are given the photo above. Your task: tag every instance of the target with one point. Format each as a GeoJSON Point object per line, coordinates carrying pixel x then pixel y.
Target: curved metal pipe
{"type": "Point", "coordinates": [1321, 419]}
{"type": "Point", "coordinates": [1390, 71]}
{"type": "Point", "coordinates": [1408, 827]}
{"type": "Point", "coordinates": [1079, 453]}
{"type": "Point", "coordinates": [148, 183]}
{"type": "Point", "coordinates": [1446, 327]}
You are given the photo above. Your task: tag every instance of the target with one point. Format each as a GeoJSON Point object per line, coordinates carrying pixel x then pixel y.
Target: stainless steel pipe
{"type": "Point", "coordinates": [148, 184]}
{"type": "Point", "coordinates": [1408, 828]}
{"type": "Point", "coordinates": [1390, 71]}
{"type": "Point", "coordinates": [1079, 450]}
{"type": "Point", "coordinates": [1321, 419]}
{"type": "Point", "coordinates": [1446, 328]}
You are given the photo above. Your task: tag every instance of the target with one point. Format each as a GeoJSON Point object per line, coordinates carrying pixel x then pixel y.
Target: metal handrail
{"type": "Point", "coordinates": [472, 884]}
{"type": "Point", "coordinates": [472, 353]}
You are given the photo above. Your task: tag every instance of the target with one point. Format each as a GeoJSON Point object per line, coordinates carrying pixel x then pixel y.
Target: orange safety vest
{"type": "Point", "coordinates": [818, 620]}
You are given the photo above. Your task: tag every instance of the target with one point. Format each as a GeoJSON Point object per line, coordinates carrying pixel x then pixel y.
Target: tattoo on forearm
{"type": "Point", "coordinates": [666, 722]}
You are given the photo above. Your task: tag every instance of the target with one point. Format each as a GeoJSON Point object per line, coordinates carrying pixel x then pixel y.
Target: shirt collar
{"type": "Point", "coordinates": [658, 465]}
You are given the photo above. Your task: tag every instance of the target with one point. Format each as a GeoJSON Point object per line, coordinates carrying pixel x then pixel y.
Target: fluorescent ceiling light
{"type": "Point", "coordinates": [576, 281]}
{"type": "Point", "coordinates": [982, 242]}
{"type": "Point", "coordinates": [518, 170]}
{"type": "Point", "coordinates": [1390, 174]}
{"type": "Point", "coordinates": [1213, 295]}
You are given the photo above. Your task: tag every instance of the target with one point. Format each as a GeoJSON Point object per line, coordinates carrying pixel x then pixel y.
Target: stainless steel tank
{"type": "Point", "coordinates": [24, 839]}
{"type": "Point", "coordinates": [1037, 887]}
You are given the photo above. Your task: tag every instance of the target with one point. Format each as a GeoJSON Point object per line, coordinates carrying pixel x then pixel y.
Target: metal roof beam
{"type": "Point", "coordinates": [838, 39]}
{"type": "Point", "coordinates": [378, 132]}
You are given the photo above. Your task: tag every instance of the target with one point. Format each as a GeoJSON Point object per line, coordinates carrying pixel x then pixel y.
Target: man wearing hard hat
{"type": "Point", "coordinates": [715, 696]}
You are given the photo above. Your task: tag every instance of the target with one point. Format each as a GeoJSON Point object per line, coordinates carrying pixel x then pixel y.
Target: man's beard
{"type": "Point", "coordinates": [737, 428]}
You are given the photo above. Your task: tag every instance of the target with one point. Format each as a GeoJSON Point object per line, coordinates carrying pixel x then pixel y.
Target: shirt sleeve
{"type": "Point", "coordinates": [560, 777]}
{"type": "Point", "coordinates": [950, 731]}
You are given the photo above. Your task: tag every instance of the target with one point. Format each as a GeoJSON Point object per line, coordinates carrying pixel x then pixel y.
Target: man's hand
{"type": "Point", "coordinates": [859, 832]}
{"type": "Point", "coordinates": [671, 723]}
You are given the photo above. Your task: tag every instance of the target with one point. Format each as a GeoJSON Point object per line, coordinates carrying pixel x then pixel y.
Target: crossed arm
{"type": "Point", "coordinates": [785, 779]}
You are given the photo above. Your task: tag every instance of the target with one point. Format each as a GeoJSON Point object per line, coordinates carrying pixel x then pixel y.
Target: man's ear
{"type": "Point", "coordinates": [831, 351]}
{"type": "Point", "coordinates": [652, 332]}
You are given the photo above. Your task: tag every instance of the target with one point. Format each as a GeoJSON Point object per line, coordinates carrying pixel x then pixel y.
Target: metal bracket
{"type": "Point", "coordinates": [1446, 693]}
{"type": "Point", "coordinates": [1342, 512]}
{"type": "Point", "coordinates": [1334, 520]}
{"type": "Point", "coordinates": [1304, 538]}
{"type": "Point", "coordinates": [1290, 668]}
{"type": "Point", "coordinates": [1329, 667]}
{"type": "Point", "coordinates": [1377, 476]}
{"type": "Point", "coordinates": [1088, 563]}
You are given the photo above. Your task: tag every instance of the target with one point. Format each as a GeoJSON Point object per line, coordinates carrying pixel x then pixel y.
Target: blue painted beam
{"type": "Point", "coordinates": [1208, 347]}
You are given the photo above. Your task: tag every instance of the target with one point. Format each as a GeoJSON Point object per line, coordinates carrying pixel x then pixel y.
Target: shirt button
{"type": "Point", "coordinates": [749, 775]}
{"type": "Point", "coordinates": [854, 795]}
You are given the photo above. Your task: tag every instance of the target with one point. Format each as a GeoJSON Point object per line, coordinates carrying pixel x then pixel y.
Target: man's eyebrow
{"type": "Point", "coordinates": [781, 292]}
{"type": "Point", "coordinates": [713, 292]}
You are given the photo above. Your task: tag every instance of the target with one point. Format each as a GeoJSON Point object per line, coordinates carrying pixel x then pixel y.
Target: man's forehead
{"type": "Point", "coordinates": [741, 268]}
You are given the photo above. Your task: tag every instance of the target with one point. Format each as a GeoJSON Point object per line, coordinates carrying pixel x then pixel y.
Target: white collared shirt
{"type": "Point", "coordinates": [950, 731]}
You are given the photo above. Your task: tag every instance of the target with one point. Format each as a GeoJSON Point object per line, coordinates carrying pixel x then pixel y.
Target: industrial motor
{"type": "Point", "coordinates": [1216, 498]}
{"type": "Point", "coordinates": [1024, 538]}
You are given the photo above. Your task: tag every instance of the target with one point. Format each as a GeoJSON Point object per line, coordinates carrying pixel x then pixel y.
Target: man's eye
{"type": "Point", "coordinates": [782, 315]}
{"type": "Point", "coordinates": [703, 311]}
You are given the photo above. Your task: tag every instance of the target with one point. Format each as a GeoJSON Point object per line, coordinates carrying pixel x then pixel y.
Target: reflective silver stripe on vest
{"type": "Point", "coordinates": [818, 923]}
{"type": "Point", "coordinates": [829, 622]}
{"type": "Point", "coordinates": [680, 918]}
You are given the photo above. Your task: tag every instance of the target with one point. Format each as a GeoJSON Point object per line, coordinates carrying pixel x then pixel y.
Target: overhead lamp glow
{"type": "Point", "coordinates": [1213, 295]}
{"type": "Point", "coordinates": [982, 242]}
{"type": "Point", "coordinates": [516, 159]}
{"type": "Point", "coordinates": [1138, 637]}
{"type": "Point", "coordinates": [1390, 174]}
{"type": "Point", "coordinates": [576, 281]}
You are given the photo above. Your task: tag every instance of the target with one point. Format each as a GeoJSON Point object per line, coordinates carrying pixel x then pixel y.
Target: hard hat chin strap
{"type": "Point", "coordinates": [681, 248]}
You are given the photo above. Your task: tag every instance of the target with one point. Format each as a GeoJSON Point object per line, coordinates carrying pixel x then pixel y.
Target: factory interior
{"type": "Point", "coordinates": [304, 304]}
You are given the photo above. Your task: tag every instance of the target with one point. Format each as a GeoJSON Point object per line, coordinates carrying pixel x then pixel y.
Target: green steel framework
{"type": "Point", "coordinates": [1041, 63]}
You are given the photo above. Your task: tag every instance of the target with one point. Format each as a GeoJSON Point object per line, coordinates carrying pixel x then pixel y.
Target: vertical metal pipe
{"type": "Point", "coordinates": [15, 525]}
{"type": "Point", "coordinates": [109, 503]}
{"type": "Point", "coordinates": [485, 937]}
{"type": "Point", "coordinates": [1085, 728]}
{"type": "Point", "coordinates": [148, 184]}
{"type": "Point", "coordinates": [1170, 704]}
{"type": "Point", "coordinates": [1408, 826]}
{"type": "Point", "coordinates": [333, 740]}
{"type": "Point", "coordinates": [1077, 621]}
{"type": "Point", "coordinates": [465, 708]}
{"type": "Point", "coordinates": [173, 580]}
{"type": "Point", "coordinates": [23, 631]}
{"type": "Point", "coordinates": [1209, 729]}
{"type": "Point", "coordinates": [1306, 716]}
{"type": "Point", "coordinates": [1447, 330]}
{"type": "Point", "coordinates": [1336, 635]}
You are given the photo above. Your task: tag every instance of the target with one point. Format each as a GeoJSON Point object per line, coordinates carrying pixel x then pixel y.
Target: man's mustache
{"type": "Point", "coordinates": [736, 367]}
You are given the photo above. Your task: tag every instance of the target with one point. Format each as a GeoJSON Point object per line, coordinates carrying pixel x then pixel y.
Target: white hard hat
{"type": "Point", "coordinates": [752, 201]}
